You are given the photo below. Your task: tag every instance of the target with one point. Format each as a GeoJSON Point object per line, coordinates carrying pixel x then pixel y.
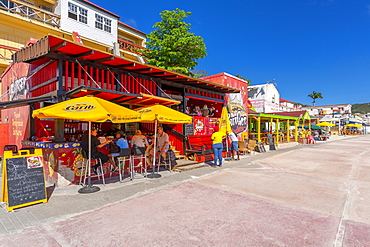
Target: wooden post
{"type": "Point", "coordinates": [277, 132]}
{"type": "Point", "coordinates": [259, 129]}
{"type": "Point", "coordinates": [288, 131]}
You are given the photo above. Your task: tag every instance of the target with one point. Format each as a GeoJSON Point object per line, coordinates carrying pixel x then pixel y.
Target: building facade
{"type": "Point", "coordinates": [264, 98]}
{"type": "Point", "coordinates": [330, 111]}
{"type": "Point", "coordinates": [286, 105]}
{"type": "Point", "coordinates": [98, 28]}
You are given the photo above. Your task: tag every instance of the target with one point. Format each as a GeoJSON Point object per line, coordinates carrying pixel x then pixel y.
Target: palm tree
{"type": "Point", "coordinates": [315, 95]}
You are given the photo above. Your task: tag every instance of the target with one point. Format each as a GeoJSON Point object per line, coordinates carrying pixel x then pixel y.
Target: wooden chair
{"type": "Point", "coordinates": [251, 146]}
{"type": "Point", "coordinates": [242, 147]}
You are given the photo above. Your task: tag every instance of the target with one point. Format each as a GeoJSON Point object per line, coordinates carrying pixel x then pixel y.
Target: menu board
{"type": "Point", "coordinates": [23, 180]}
{"type": "Point", "coordinates": [189, 129]}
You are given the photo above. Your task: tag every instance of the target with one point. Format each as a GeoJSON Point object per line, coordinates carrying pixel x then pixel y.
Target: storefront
{"type": "Point", "coordinates": [54, 69]}
{"type": "Point", "coordinates": [284, 126]}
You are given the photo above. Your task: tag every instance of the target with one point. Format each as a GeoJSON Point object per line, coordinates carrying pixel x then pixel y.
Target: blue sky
{"type": "Point", "coordinates": [305, 45]}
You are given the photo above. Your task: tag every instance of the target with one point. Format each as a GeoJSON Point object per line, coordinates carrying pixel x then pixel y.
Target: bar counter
{"type": "Point", "coordinates": [62, 161]}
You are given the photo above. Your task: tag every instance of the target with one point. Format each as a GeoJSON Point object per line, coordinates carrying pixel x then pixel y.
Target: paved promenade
{"type": "Point", "coordinates": [306, 195]}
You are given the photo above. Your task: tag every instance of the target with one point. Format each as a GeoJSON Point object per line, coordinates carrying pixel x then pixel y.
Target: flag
{"type": "Point", "coordinates": [225, 121]}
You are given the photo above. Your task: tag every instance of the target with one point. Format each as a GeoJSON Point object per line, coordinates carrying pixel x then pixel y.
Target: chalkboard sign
{"type": "Point", "coordinates": [189, 129]}
{"type": "Point", "coordinates": [271, 142]}
{"type": "Point", "coordinates": [24, 182]}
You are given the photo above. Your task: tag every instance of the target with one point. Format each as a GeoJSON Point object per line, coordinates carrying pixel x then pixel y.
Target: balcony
{"type": "Point", "coordinates": [29, 11]}
{"type": "Point", "coordinates": [128, 46]}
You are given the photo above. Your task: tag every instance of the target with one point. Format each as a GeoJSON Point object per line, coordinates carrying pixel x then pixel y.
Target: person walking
{"type": "Point", "coordinates": [234, 146]}
{"type": "Point", "coordinates": [217, 145]}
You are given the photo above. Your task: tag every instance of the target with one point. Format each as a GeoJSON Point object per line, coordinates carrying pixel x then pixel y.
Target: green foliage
{"type": "Point", "coordinates": [199, 73]}
{"type": "Point", "coordinates": [241, 77]}
{"type": "Point", "coordinates": [315, 95]}
{"type": "Point", "coordinates": [361, 108]}
{"type": "Point", "coordinates": [172, 46]}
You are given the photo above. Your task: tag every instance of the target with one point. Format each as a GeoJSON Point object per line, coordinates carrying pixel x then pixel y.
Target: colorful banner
{"type": "Point", "coordinates": [15, 87]}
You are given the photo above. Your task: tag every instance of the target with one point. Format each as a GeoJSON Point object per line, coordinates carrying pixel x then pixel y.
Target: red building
{"type": "Point", "coordinates": [54, 69]}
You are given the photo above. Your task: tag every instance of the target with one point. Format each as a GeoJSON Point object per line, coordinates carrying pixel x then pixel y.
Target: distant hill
{"type": "Point", "coordinates": [361, 108]}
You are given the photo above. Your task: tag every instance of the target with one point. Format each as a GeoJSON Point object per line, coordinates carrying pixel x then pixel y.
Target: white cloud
{"type": "Point", "coordinates": [131, 22]}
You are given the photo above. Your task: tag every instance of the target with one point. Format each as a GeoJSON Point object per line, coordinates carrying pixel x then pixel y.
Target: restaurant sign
{"type": "Point", "coordinates": [81, 107]}
{"type": "Point", "coordinates": [237, 113]}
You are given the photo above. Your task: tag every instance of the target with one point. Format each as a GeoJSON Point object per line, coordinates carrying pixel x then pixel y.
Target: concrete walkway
{"type": "Point", "coordinates": [306, 195]}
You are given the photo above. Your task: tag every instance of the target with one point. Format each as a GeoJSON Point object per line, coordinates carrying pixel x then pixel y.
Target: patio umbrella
{"type": "Point", "coordinates": [313, 127]}
{"type": "Point", "coordinates": [225, 126]}
{"type": "Point", "coordinates": [91, 109]}
{"type": "Point", "coordinates": [354, 125]}
{"type": "Point", "coordinates": [326, 124]}
{"type": "Point", "coordinates": [161, 114]}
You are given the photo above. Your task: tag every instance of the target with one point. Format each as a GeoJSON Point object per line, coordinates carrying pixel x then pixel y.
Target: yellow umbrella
{"type": "Point", "coordinates": [354, 125]}
{"type": "Point", "coordinates": [161, 114]}
{"type": "Point", "coordinates": [225, 126]}
{"type": "Point", "coordinates": [225, 121]}
{"type": "Point", "coordinates": [326, 124]}
{"type": "Point", "coordinates": [89, 109]}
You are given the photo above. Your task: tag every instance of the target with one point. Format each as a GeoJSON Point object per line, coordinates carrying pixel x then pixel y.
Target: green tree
{"type": "Point", "coordinates": [315, 95]}
{"type": "Point", "coordinates": [172, 46]}
{"type": "Point", "coordinates": [241, 77]}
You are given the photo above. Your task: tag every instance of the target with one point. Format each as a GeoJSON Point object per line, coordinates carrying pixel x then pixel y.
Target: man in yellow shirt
{"type": "Point", "coordinates": [217, 145]}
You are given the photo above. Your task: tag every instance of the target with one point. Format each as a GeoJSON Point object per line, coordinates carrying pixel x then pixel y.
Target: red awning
{"type": "Point", "coordinates": [51, 46]}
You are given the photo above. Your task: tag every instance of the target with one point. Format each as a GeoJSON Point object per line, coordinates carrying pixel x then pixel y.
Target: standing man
{"type": "Point", "coordinates": [234, 145]}
{"type": "Point", "coordinates": [217, 145]}
{"type": "Point", "coordinates": [95, 144]}
{"type": "Point", "coordinates": [162, 143]}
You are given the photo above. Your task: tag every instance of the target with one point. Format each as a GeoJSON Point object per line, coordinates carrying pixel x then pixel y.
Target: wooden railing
{"type": "Point", "coordinates": [128, 46]}
{"type": "Point", "coordinates": [29, 11]}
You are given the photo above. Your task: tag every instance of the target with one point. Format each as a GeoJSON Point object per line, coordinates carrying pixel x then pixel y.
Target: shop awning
{"type": "Point", "coordinates": [298, 114]}
{"type": "Point", "coordinates": [54, 47]}
{"type": "Point", "coordinates": [24, 102]}
{"type": "Point", "coordinates": [269, 116]}
{"type": "Point", "coordinates": [121, 98]}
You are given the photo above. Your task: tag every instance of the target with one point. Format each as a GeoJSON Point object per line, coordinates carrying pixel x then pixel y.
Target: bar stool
{"type": "Point", "coordinates": [138, 154]}
{"type": "Point", "coordinates": [124, 155]}
{"type": "Point", "coordinates": [94, 161]}
{"type": "Point", "coordinates": [166, 162]}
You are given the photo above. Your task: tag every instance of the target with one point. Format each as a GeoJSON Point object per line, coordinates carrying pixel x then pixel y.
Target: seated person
{"type": "Point", "coordinates": [211, 112]}
{"type": "Point", "coordinates": [121, 142]}
{"type": "Point", "coordinates": [187, 110]}
{"type": "Point", "coordinates": [205, 111]}
{"type": "Point", "coordinates": [196, 112]}
{"type": "Point", "coordinates": [117, 145]}
{"type": "Point", "coordinates": [162, 144]}
{"type": "Point", "coordinates": [139, 140]}
{"type": "Point", "coordinates": [95, 144]}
